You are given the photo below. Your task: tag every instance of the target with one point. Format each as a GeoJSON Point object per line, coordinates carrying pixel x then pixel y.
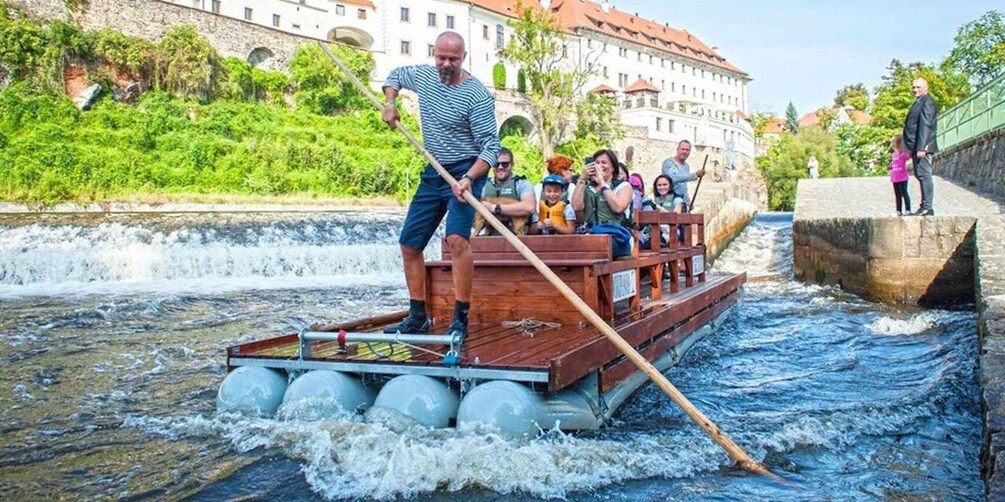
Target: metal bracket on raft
{"type": "Point", "coordinates": [451, 358]}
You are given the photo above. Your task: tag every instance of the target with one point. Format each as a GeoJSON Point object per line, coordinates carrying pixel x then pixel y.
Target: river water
{"type": "Point", "coordinates": [112, 337]}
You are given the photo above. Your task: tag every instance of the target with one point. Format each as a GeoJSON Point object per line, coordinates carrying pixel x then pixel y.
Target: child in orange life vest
{"type": "Point", "coordinates": [554, 215]}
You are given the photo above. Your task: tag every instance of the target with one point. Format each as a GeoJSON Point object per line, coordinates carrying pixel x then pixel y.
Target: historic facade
{"type": "Point", "coordinates": [665, 79]}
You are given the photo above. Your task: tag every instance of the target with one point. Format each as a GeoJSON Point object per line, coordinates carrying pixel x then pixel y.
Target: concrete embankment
{"type": "Point", "coordinates": [845, 232]}
{"type": "Point", "coordinates": [989, 288]}
{"type": "Point", "coordinates": [728, 208]}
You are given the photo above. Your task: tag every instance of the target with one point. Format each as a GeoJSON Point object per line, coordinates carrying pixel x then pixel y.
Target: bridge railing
{"type": "Point", "coordinates": [980, 112]}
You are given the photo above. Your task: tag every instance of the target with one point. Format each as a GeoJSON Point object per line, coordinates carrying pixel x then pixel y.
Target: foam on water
{"type": "Point", "coordinates": [344, 459]}
{"type": "Point", "coordinates": [913, 325]}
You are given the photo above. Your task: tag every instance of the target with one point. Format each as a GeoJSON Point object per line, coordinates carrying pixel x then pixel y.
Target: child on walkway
{"type": "Point", "coordinates": [899, 176]}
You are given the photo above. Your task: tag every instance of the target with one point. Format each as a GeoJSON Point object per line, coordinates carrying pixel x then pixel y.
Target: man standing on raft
{"type": "Point", "coordinates": [457, 116]}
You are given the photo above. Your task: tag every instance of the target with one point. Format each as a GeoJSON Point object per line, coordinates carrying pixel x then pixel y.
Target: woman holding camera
{"type": "Point", "coordinates": [604, 202]}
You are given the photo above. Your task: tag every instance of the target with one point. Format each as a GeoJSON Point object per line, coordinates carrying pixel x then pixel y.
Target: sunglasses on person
{"type": "Point", "coordinates": [504, 164]}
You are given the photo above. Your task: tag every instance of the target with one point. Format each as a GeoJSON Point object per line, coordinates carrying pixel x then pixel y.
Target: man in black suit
{"type": "Point", "coordinates": [919, 139]}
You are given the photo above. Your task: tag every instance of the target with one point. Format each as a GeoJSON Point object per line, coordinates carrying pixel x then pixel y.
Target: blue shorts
{"type": "Point", "coordinates": [432, 200]}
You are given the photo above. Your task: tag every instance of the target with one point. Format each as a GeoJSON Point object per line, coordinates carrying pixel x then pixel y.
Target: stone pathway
{"type": "Point", "coordinates": [873, 197]}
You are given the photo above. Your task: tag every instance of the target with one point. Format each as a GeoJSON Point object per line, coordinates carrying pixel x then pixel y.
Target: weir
{"type": "Point", "coordinates": [845, 234]}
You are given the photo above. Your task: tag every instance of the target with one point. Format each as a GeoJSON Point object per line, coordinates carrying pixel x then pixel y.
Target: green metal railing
{"type": "Point", "coordinates": [980, 112]}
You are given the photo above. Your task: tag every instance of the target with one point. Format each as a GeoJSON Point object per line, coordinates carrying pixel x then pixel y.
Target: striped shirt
{"type": "Point", "coordinates": [458, 122]}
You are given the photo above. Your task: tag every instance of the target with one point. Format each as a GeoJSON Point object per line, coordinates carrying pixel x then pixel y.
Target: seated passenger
{"type": "Point", "coordinates": [662, 200]}
{"type": "Point", "coordinates": [554, 215]}
{"type": "Point", "coordinates": [559, 165]}
{"type": "Point", "coordinates": [605, 202]}
{"type": "Point", "coordinates": [509, 197]}
{"type": "Point", "coordinates": [638, 191]}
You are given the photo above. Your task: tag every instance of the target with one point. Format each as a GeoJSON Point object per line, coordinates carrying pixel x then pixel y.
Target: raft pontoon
{"type": "Point", "coordinates": [530, 361]}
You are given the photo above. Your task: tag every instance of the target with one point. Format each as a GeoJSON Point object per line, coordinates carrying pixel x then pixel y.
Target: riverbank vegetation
{"type": "Point", "coordinates": [854, 148]}
{"type": "Point", "coordinates": [203, 124]}
{"type": "Point", "coordinates": [175, 119]}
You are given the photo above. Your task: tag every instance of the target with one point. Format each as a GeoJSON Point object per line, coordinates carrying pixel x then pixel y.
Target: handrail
{"type": "Point", "coordinates": [982, 111]}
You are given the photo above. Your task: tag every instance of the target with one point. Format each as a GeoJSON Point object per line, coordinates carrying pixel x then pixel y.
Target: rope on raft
{"type": "Point", "coordinates": [529, 325]}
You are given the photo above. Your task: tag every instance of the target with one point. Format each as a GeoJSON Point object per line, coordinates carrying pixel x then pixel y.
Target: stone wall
{"type": "Point", "coordinates": [149, 19]}
{"type": "Point", "coordinates": [727, 208]}
{"type": "Point", "coordinates": [927, 261]}
{"type": "Point", "coordinates": [978, 164]}
{"type": "Point", "coordinates": [990, 291]}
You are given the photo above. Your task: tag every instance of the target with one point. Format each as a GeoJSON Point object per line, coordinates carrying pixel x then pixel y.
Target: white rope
{"type": "Point", "coordinates": [529, 325]}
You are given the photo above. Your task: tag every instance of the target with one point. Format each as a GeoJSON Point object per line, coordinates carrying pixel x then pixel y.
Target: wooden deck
{"type": "Point", "coordinates": [659, 314]}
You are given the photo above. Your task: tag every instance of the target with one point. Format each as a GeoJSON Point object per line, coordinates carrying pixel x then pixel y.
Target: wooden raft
{"type": "Point", "coordinates": [660, 313]}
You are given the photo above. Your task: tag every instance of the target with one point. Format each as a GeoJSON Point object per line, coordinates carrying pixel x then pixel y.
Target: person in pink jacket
{"type": "Point", "coordinates": [899, 177]}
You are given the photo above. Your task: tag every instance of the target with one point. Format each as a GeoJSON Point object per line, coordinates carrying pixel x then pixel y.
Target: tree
{"type": "Point", "coordinates": [537, 47]}
{"type": "Point", "coordinates": [826, 117]}
{"type": "Point", "coordinates": [187, 64]}
{"type": "Point", "coordinates": [791, 118]}
{"type": "Point", "coordinates": [979, 54]}
{"type": "Point", "coordinates": [865, 146]}
{"type": "Point", "coordinates": [598, 116]}
{"type": "Point", "coordinates": [893, 97]}
{"type": "Point", "coordinates": [785, 164]}
{"type": "Point", "coordinates": [855, 96]}
{"type": "Point", "coordinates": [758, 120]}
{"type": "Point", "coordinates": [499, 76]}
{"type": "Point", "coordinates": [521, 81]}
{"type": "Point", "coordinates": [321, 87]}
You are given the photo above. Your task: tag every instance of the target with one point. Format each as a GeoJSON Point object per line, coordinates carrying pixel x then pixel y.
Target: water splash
{"type": "Point", "coordinates": [913, 325]}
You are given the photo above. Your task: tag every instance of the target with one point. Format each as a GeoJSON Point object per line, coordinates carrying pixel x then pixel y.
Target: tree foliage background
{"type": "Point", "coordinates": [864, 149]}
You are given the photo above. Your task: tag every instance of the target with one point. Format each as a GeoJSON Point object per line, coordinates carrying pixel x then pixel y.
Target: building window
{"type": "Point", "coordinates": [247, 13]}
{"type": "Point", "coordinates": [703, 94]}
{"type": "Point", "coordinates": [622, 80]}
{"type": "Point", "coordinates": [663, 63]}
{"type": "Point", "coordinates": [670, 126]}
{"type": "Point", "coordinates": [673, 86]}
{"type": "Point", "coordinates": [361, 13]}
{"type": "Point", "coordinates": [340, 10]}
{"type": "Point", "coordinates": [694, 92]}
{"type": "Point", "coordinates": [622, 52]}
{"type": "Point", "coordinates": [431, 19]}
{"type": "Point", "coordinates": [659, 123]}
{"type": "Point", "coordinates": [663, 85]}
{"type": "Point", "coordinates": [714, 98]}
{"type": "Point", "coordinates": [430, 49]}
{"type": "Point", "coordinates": [694, 70]}
{"type": "Point", "coordinates": [605, 72]}
{"type": "Point", "coordinates": [650, 60]}
{"type": "Point", "coordinates": [703, 74]}
{"type": "Point", "coordinates": [640, 57]}
{"type": "Point", "coordinates": [450, 22]}
{"type": "Point", "coordinates": [296, 26]}
{"type": "Point", "coordinates": [275, 20]}
{"type": "Point", "coordinates": [683, 90]}
{"type": "Point", "coordinates": [215, 6]}
{"type": "Point", "coordinates": [565, 51]}
{"type": "Point", "coordinates": [485, 31]}
{"type": "Point", "coordinates": [500, 38]}
{"type": "Point", "coordinates": [589, 43]}
{"type": "Point", "coordinates": [406, 48]}
{"type": "Point", "coordinates": [672, 64]}
{"type": "Point", "coordinates": [404, 14]}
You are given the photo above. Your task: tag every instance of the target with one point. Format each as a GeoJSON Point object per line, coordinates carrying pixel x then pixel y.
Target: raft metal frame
{"type": "Point", "coordinates": [459, 373]}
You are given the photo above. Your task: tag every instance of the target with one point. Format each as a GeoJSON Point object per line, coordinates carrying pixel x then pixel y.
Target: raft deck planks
{"type": "Point", "coordinates": [556, 356]}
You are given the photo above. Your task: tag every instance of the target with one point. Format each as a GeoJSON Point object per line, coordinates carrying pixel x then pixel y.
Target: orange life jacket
{"type": "Point", "coordinates": [554, 213]}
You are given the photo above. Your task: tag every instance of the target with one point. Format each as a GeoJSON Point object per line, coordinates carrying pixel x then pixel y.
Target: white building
{"type": "Point", "coordinates": [665, 78]}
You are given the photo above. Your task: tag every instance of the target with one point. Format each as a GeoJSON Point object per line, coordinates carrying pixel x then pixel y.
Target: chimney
{"type": "Point", "coordinates": [606, 7]}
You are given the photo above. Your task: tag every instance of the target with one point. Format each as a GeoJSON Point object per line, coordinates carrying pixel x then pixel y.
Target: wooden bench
{"type": "Point", "coordinates": [507, 288]}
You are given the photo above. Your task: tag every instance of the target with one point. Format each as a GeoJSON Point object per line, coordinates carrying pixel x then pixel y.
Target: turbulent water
{"type": "Point", "coordinates": [112, 336]}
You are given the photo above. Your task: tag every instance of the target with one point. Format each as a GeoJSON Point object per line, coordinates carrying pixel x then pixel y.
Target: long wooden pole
{"type": "Point", "coordinates": [710, 428]}
{"type": "Point", "coordinates": [695, 196]}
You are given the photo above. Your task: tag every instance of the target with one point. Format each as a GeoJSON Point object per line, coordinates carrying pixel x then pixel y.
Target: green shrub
{"type": "Point", "coordinates": [499, 76]}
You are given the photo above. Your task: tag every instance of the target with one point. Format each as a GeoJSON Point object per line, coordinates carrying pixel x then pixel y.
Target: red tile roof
{"type": "Point", "coordinates": [602, 88]}
{"type": "Point", "coordinates": [774, 126]}
{"type": "Point", "coordinates": [573, 14]}
{"type": "Point", "coordinates": [859, 117]}
{"type": "Point", "coordinates": [641, 85]}
{"type": "Point", "coordinates": [809, 119]}
{"type": "Point", "coordinates": [361, 3]}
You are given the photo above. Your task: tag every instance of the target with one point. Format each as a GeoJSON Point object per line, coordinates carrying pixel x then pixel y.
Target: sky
{"type": "Point", "coordinates": [805, 50]}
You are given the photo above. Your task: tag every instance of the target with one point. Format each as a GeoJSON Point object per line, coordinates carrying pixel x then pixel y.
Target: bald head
{"type": "Point", "coordinates": [919, 87]}
{"type": "Point", "coordinates": [450, 39]}
{"type": "Point", "coordinates": [449, 55]}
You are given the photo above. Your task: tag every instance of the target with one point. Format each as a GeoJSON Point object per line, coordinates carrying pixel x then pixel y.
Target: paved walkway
{"type": "Point", "coordinates": [873, 197]}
